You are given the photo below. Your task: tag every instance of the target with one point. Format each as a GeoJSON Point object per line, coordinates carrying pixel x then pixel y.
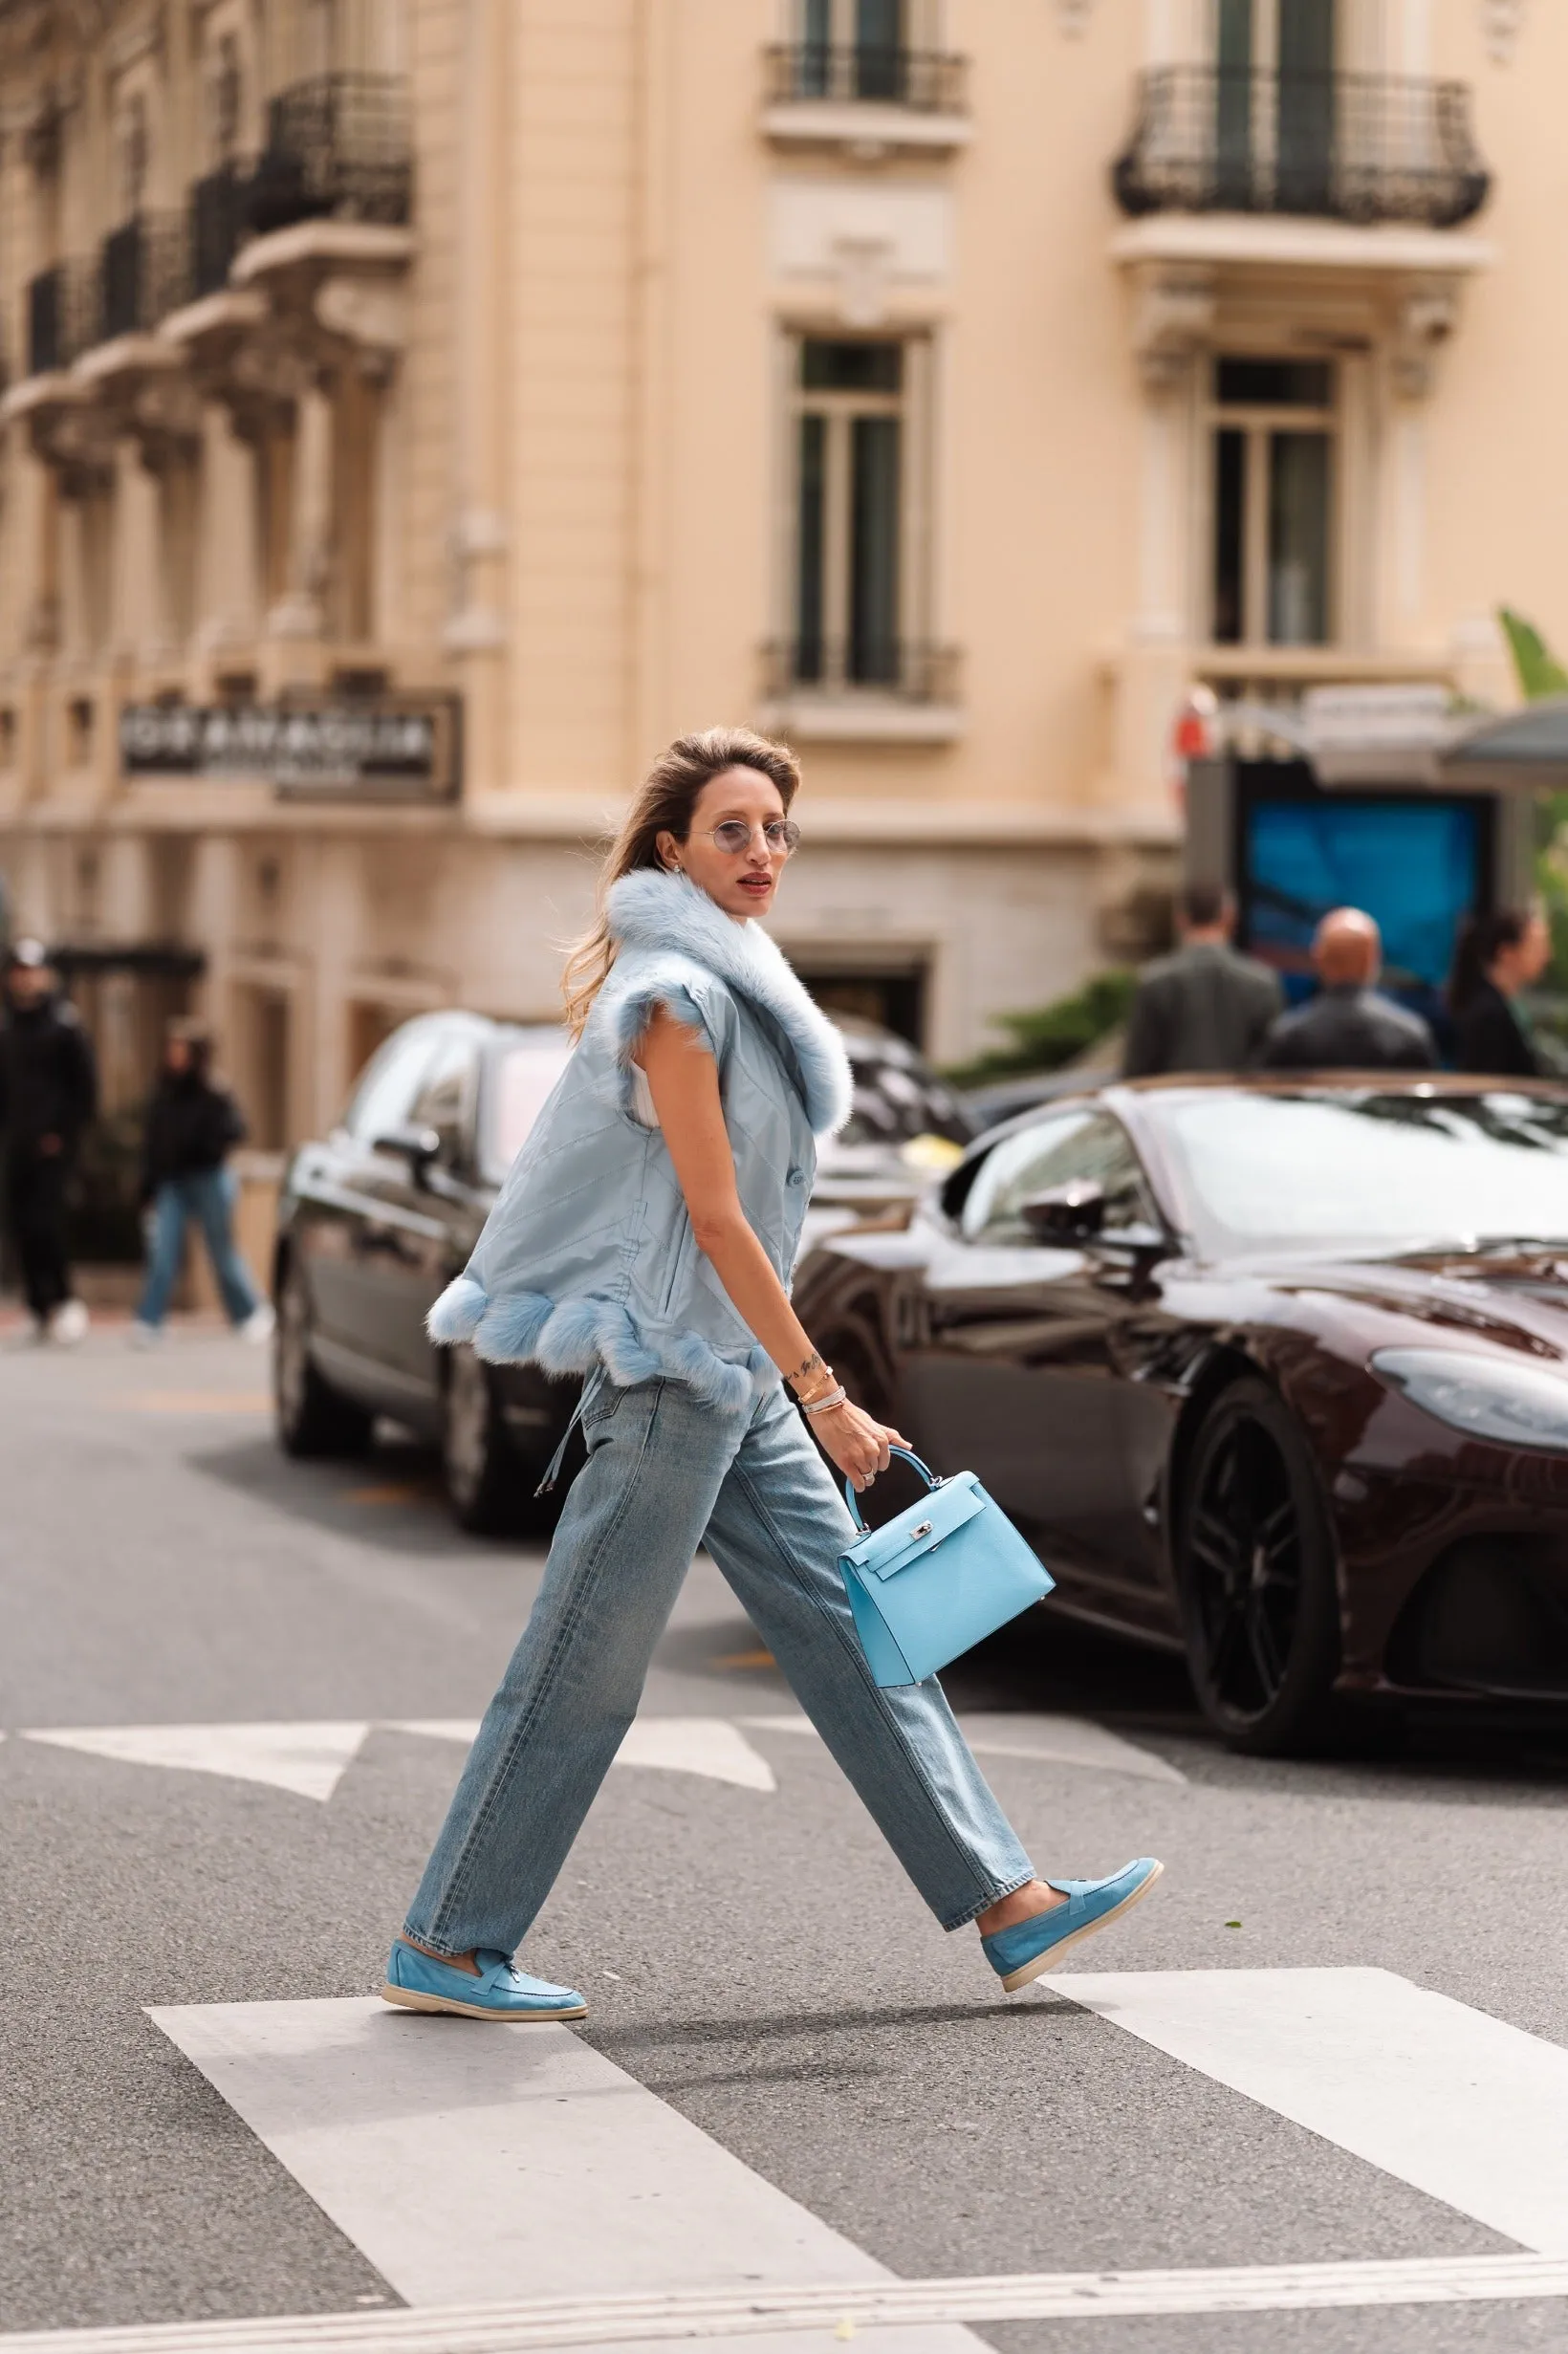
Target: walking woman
{"type": "Point", "coordinates": [193, 1126]}
{"type": "Point", "coordinates": [644, 1239]}
{"type": "Point", "coordinates": [1498, 955]}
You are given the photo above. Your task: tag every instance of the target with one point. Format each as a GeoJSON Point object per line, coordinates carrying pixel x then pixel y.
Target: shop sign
{"type": "Point", "coordinates": [395, 747]}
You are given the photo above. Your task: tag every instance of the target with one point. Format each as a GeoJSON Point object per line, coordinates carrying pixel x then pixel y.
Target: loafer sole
{"type": "Point", "coordinates": [408, 1998]}
{"type": "Point", "coordinates": [1042, 1962]}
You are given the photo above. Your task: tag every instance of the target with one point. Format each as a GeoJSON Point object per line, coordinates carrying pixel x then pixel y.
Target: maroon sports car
{"type": "Point", "coordinates": [1273, 1372]}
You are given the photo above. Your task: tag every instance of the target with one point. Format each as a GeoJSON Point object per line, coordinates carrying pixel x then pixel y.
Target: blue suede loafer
{"type": "Point", "coordinates": [1029, 1946]}
{"type": "Point", "coordinates": [419, 1982]}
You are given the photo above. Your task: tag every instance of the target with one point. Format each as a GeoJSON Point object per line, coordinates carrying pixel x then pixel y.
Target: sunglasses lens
{"type": "Point", "coordinates": [732, 836]}
{"type": "Point", "coordinates": [782, 835]}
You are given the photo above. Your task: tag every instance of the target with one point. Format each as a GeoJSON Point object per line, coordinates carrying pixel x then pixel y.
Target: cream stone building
{"type": "Point", "coordinates": [419, 410]}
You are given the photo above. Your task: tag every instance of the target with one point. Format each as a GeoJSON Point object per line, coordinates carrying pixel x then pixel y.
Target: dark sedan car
{"type": "Point", "coordinates": [376, 1219]}
{"type": "Point", "coordinates": [1276, 1373]}
{"type": "Point", "coordinates": [372, 1224]}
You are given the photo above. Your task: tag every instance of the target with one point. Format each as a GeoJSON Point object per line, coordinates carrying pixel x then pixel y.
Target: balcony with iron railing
{"type": "Point", "coordinates": [866, 96]}
{"type": "Point", "coordinates": [144, 272]}
{"type": "Point", "coordinates": [62, 316]}
{"type": "Point", "coordinates": [218, 215]}
{"type": "Point", "coordinates": [1364, 148]}
{"type": "Point", "coordinates": [338, 147]}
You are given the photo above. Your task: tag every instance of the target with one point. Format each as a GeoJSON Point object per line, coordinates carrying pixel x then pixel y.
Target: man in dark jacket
{"type": "Point", "coordinates": [1348, 1025]}
{"type": "Point", "coordinates": [48, 1096]}
{"type": "Point", "coordinates": [1205, 1007]}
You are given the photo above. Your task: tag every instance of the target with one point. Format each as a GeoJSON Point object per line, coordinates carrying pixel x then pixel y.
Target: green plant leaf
{"type": "Point", "coordinates": [1537, 668]}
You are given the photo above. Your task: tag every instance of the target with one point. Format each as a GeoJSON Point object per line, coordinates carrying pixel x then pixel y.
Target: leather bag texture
{"type": "Point", "coordinates": [931, 1584]}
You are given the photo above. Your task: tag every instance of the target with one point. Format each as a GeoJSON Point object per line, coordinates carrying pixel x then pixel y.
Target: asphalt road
{"type": "Point", "coordinates": [753, 1957]}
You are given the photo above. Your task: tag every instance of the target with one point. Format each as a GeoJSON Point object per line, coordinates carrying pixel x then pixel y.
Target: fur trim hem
{"type": "Point", "coordinates": [456, 1313]}
{"type": "Point", "coordinates": [572, 1335]}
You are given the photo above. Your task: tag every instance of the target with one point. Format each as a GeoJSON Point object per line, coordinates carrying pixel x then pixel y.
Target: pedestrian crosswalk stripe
{"type": "Point", "coordinates": [308, 1761]}
{"type": "Point", "coordinates": [486, 2162]}
{"type": "Point", "coordinates": [815, 2319]}
{"type": "Point", "coordinates": [1052, 1740]}
{"type": "Point", "coordinates": [1459, 2105]}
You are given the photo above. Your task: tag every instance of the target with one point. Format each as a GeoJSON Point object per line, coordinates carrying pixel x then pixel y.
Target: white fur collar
{"type": "Point", "coordinates": [653, 910]}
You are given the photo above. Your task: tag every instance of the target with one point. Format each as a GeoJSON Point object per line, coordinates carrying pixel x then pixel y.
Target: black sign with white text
{"type": "Point", "coordinates": [395, 748]}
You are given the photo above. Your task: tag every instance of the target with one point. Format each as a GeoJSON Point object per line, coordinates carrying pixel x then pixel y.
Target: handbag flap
{"type": "Point", "coordinates": [882, 1552]}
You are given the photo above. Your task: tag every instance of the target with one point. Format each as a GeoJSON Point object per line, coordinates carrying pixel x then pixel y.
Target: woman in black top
{"type": "Point", "coordinates": [1498, 955]}
{"type": "Point", "coordinates": [193, 1124]}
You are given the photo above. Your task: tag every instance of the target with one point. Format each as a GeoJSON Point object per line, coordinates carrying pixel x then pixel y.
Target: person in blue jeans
{"type": "Point", "coordinates": [644, 1239]}
{"type": "Point", "coordinates": [193, 1125]}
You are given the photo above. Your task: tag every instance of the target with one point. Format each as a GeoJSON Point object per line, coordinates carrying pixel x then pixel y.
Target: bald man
{"type": "Point", "coordinates": [1348, 1025]}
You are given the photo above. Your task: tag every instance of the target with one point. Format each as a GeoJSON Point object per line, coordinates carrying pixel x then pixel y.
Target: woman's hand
{"type": "Point", "coordinates": [856, 1442]}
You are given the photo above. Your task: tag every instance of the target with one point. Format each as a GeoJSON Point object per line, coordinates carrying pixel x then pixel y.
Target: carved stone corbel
{"type": "Point", "coordinates": [1426, 315]}
{"type": "Point", "coordinates": [369, 316]}
{"type": "Point", "coordinates": [1173, 318]}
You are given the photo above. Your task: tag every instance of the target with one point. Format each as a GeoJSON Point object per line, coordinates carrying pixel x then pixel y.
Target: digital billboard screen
{"type": "Point", "coordinates": [1418, 864]}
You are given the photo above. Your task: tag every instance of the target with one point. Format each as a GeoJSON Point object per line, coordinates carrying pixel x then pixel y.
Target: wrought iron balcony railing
{"type": "Point", "coordinates": [931, 81]}
{"type": "Point", "coordinates": [338, 148]}
{"type": "Point", "coordinates": [62, 303]}
{"type": "Point", "coordinates": [218, 213]}
{"type": "Point", "coordinates": [1362, 147]}
{"type": "Point", "coordinates": [144, 272]}
{"type": "Point", "coordinates": [909, 668]}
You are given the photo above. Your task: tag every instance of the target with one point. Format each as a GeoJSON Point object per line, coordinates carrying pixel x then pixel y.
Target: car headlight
{"type": "Point", "coordinates": [1518, 1406]}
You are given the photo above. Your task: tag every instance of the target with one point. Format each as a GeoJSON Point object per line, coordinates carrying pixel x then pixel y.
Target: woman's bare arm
{"type": "Point", "coordinates": [683, 1083]}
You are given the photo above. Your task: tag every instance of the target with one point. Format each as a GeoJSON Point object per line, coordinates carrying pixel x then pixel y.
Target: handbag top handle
{"type": "Point", "coordinates": [909, 1456]}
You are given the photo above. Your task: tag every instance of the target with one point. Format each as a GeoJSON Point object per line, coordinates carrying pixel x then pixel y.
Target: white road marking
{"type": "Point", "coordinates": [710, 1745]}
{"type": "Point", "coordinates": [1462, 2106]}
{"type": "Point", "coordinates": [307, 1760]}
{"type": "Point", "coordinates": [812, 2320]}
{"type": "Point", "coordinates": [1055, 1741]}
{"type": "Point", "coordinates": [438, 1728]}
{"type": "Point", "coordinates": [471, 2162]}
{"type": "Point", "coordinates": [713, 1746]}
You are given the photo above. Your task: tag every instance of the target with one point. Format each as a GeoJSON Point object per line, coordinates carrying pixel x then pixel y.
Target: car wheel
{"type": "Point", "coordinates": [1257, 1565]}
{"type": "Point", "coordinates": [311, 1417]}
{"type": "Point", "coordinates": [484, 1480]}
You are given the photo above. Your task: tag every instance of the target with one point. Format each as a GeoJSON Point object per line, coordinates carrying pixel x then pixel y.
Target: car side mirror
{"type": "Point", "coordinates": [420, 1147]}
{"type": "Point", "coordinates": [1070, 1213]}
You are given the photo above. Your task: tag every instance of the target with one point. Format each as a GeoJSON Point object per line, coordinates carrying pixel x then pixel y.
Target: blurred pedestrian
{"type": "Point", "coordinates": [1498, 955]}
{"type": "Point", "coordinates": [1349, 1025]}
{"type": "Point", "coordinates": [48, 1097]}
{"type": "Point", "coordinates": [1204, 1006]}
{"type": "Point", "coordinates": [193, 1126]}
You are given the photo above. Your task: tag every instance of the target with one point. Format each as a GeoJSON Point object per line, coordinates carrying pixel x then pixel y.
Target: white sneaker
{"type": "Point", "coordinates": [144, 1336]}
{"type": "Point", "coordinates": [257, 1327]}
{"type": "Point", "coordinates": [69, 1324]}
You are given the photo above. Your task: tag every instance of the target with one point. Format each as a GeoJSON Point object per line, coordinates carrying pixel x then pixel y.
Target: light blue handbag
{"type": "Point", "coordinates": [927, 1586]}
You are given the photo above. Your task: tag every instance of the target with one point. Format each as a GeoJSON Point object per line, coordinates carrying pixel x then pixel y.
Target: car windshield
{"type": "Point", "coordinates": [1369, 1171]}
{"type": "Point", "coordinates": [521, 1079]}
{"type": "Point", "coordinates": [894, 1104]}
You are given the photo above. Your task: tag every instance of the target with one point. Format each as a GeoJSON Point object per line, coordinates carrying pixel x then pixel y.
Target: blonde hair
{"type": "Point", "coordinates": [664, 804]}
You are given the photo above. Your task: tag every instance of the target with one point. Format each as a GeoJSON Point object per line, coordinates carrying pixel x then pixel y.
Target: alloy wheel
{"type": "Point", "coordinates": [1245, 1564]}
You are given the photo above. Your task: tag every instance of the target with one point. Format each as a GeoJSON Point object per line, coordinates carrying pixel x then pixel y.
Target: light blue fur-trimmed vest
{"type": "Point", "coordinates": [588, 1256]}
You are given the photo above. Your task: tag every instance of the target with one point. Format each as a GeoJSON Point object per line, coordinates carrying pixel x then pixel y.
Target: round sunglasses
{"type": "Point", "coordinates": [733, 836]}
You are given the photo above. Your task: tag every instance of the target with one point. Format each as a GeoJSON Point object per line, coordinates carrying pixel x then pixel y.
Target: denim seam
{"type": "Point", "coordinates": [456, 1878]}
{"type": "Point", "coordinates": [911, 1762]}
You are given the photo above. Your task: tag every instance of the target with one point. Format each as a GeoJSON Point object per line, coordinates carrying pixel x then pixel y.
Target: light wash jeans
{"type": "Point", "coordinates": [206, 1198]}
{"type": "Point", "coordinates": [664, 1476]}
